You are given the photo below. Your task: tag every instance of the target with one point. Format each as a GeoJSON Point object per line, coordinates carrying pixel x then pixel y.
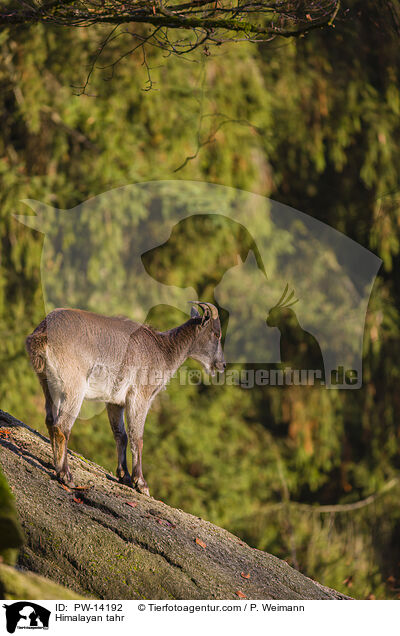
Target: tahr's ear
{"type": "Point", "coordinates": [194, 313]}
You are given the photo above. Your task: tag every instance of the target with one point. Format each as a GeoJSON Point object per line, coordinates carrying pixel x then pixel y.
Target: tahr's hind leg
{"type": "Point", "coordinates": [60, 431]}
{"type": "Point", "coordinates": [116, 417]}
{"type": "Point", "coordinates": [57, 438]}
{"type": "Point", "coordinates": [51, 407]}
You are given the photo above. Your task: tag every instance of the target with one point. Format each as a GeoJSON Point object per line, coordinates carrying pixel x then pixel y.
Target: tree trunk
{"type": "Point", "coordinates": [108, 541]}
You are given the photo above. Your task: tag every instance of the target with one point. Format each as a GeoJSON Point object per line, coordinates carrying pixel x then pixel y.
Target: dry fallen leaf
{"type": "Point", "coordinates": [165, 522]}
{"type": "Point", "coordinates": [133, 504]}
{"type": "Point", "coordinates": [65, 487]}
{"type": "Point", "coordinates": [201, 543]}
{"type": "Point", "coordinates": [78, 500]}
{"type": "Point", "coordinates": [308, 16]}
{"type": "Point", "coordinates": [240, 594]}
{"type": "Point", "coordinates": [244, 575]}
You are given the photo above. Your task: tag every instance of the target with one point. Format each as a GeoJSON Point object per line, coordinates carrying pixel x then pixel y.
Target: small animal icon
{"type": "Point", "coordinates": [299, 349]}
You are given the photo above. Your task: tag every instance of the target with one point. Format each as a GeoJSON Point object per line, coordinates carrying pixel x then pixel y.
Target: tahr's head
{"type": "Point", "coordinates": [207, 348]}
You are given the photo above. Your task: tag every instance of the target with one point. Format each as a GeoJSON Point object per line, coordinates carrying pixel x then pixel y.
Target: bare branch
{"type": "Point", "coordinates": [223, 19]}
{"type": "Point", "coordinates": [176, 26]}
{"type": "Point", "coordinates": [211, 138]}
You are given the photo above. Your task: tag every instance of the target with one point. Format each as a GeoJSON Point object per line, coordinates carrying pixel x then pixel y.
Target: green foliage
{"type": "Point", "coordinates": [312, 123]}
{"type": "Point", "coordinates": [11, 537]}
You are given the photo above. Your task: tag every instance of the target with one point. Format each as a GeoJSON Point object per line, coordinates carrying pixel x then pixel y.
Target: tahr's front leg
{"type": "Point", "coordinates": [138, 480]}
{"type": "Point", "coordinates": [136, 417]}
{"type": "Point", "coordinates": [116, 418]}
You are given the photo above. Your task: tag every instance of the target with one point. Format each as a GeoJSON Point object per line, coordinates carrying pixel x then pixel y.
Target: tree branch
{"type": "Point", "coordinates": [177, 27]}
{"type": "Point", "coordinates": [222, 18]}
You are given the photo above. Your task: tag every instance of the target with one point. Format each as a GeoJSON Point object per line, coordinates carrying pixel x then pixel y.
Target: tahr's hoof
{"type": "Point", "coordinates": [124, 477]}
{"type": "Point", "coordinates": [126, 481]}
{"type": "Point", "coordinates": [141, 486]}
{"type": "Point", "coordinates": [66, 478]}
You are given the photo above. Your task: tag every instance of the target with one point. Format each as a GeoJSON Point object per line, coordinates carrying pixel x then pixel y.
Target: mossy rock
{"type": "Point", "coordinates": [17, 584]}
{"type": "Point", "coordinates": [11, 536]}
{"type": "Point", "coordinates": [108, 541]}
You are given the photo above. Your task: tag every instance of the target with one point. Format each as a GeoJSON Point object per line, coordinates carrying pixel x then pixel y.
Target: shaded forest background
{"type": "Point", "coordinates": [313, 123]}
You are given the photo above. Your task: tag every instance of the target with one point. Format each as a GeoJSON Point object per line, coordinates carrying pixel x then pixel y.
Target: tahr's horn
{"type": "Point", "coordinates": [206, 307]}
